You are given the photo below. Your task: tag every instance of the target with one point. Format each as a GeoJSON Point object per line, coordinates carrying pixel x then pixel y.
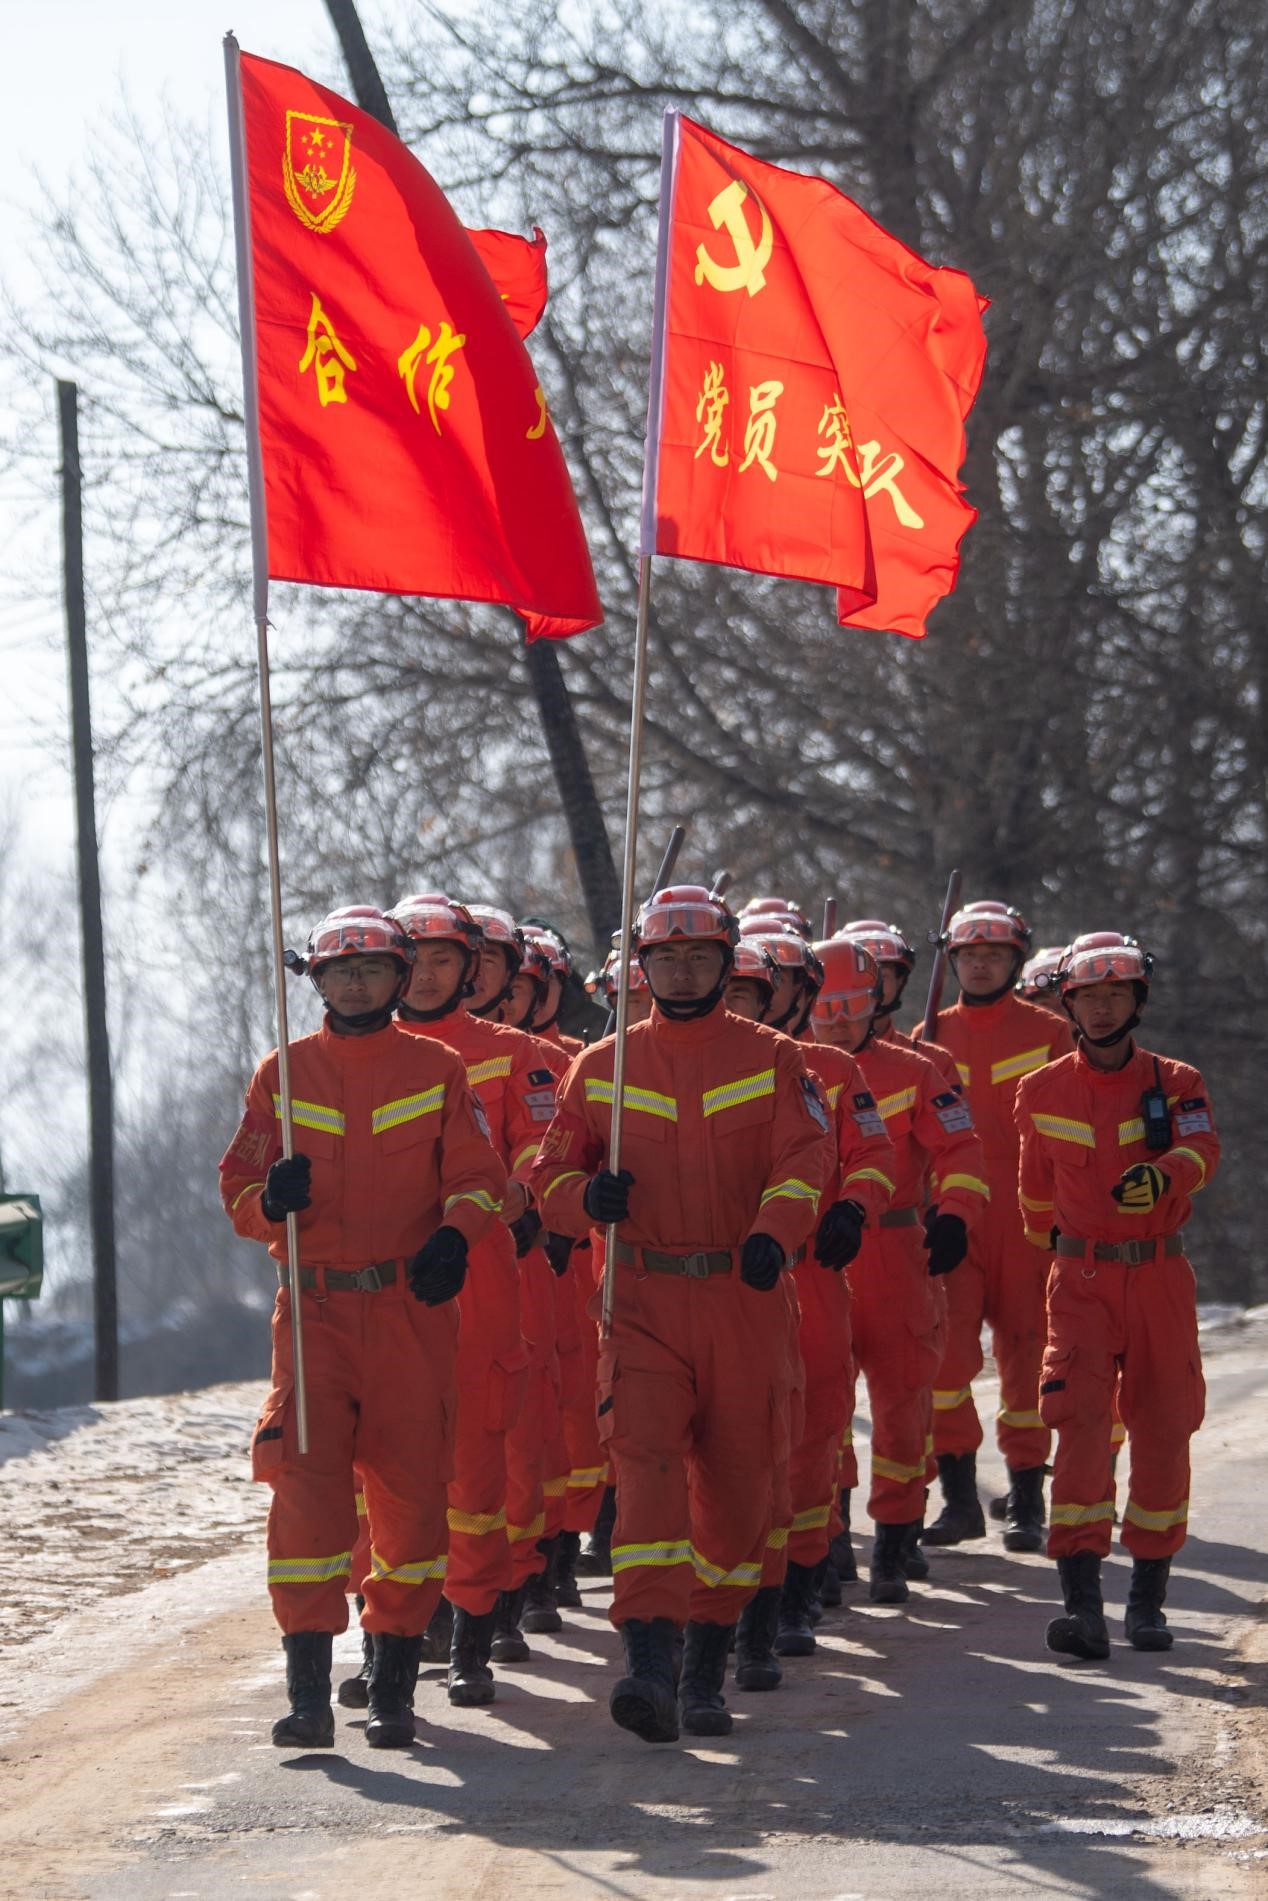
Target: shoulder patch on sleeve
{"type": "Point", "coordinates": [865, 1100]}
{"type": "Point", "coordinates": [814, 1102]}
{"type": "Point", "coordinates": [1193, 1102]}
{"type": "Point", "coordinates": [541, 1078]}
{"type": "Point", "coordinates": [481, 1120]}
{"type": "Point", "coordinates": [867, 1117]}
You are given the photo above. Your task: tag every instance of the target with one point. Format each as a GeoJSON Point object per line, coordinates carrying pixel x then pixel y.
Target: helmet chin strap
{"type": "Point", "coordinates": [1115, 1036]}
{"type": "Point", "coordinates": [680, 1010]}
{"type": "Point", "coordinates": [795, 1018]}
{"type": "Point", "coordinates": [362, 1022]}
{"type": "Point", "coordinates": [464, 989]}
{"type": "Point", "coordinates": [989, 996]}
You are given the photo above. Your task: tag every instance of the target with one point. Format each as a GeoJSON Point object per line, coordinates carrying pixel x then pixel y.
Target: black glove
{"type": "Point", "coordinates": [287, 1186]}
{"type": "Point", "coordinates": [840, 1235]}
{"type": "Point", "coordinates": [1140, 1188]}
{"type": "Point", "coordinates": [558, 1252]}
{"type": "Point", "coordinates": [761, 1262]}
{"type": "Point", "coordinates": [526, 1231]}
{"type": "Point", "coordinates": [607, 1196]}
{"type": "Point", "coordinates": [439, 1269]}
{"type": "Point", "coordinates": [947, 1240]}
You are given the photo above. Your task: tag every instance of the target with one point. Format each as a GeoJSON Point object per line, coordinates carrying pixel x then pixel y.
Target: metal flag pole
{"type": "Point", "coordinates": [938, 973]}
{"type": "Point", "coordinates": [260, 608]}
{"type": "Point", "coordinates": [647, 547]}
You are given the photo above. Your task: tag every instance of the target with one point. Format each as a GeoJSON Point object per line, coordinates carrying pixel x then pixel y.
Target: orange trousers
{"type": "Point", "coordinates": [492, 1379]}
{"type": "Point", "coordinates": [1136, 1326]}
{"type": "Point", "coordinates": [898, 1340]}
{"type": "Point", "coordinates": [694, 1409]}
{"type": "Point", "coordinates": [380, 1383]}
{"type": "Point", "coordinates": [536, 1462]}
{"type": "Point", "coordinates": [824, 1341]}
{"type": "Point", "coordinates": [1002, 1280]}
{"type": "Point", "coordinates": [578, 1380]}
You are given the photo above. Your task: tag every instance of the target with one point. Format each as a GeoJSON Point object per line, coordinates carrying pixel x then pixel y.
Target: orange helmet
{"type": "Point", "coordinates": [851, 990]}
{"type": "Point", "coordinates": [753, 959]}
{"type": "Point", "coordinates": [430, 914]}
{"type": "Point", "coordinates": [1100, 957]}
{"type": "Point", "coordinates": [763, 914]}
{"type": "Point", "coordinates": [1039, 973]}
{"type": "Point", "coordinates": [790, 951]}
{"type": "Point", "coordinates": [537, 931]}
{"type": "Point", "coordinates": [499, 927]}
{"type": "Point", "coordinates": [358, 930]}
{"type": "Point", "coordinates": [684, 911]}
{"type": "Point", "coordinates": [885, 941]}
{"type": "Point", "coordinates": [603, 982]}
{"type": "Point", "coordinates": [988, 922]}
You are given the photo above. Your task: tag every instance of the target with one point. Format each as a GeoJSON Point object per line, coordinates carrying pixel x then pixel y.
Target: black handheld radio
{"type": "Point", "coordinates": [1155, 1114]}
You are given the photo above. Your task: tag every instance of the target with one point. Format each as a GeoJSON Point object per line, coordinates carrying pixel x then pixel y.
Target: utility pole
{"type": "Point", "coordinates": [100, 1088]}
{"type": "Point", "coordinates": [600, 886]}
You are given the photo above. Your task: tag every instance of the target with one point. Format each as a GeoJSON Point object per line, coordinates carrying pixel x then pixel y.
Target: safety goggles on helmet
{"type": "Point", "coordinates": [431, 915]}
{"type": "Point", "coordinates": [550, 941]}
{"type": "Point", "coordinates": [684, 911]}
{"type": "Point", "coordinates": [851, 990]}
{"type": "Point", "coordinates": [885, 941]}
{"type": "Point", "coordinates": [602, 983]}
{"type": "Point", "coordinates": [790, 951]}
{"type": "Point", "coordinates": [1039, 973]}
{"type": "Point", "coordinates": [753, 960]}
{"type": "Point", "coordinates": [988, 923]}
{"type": "Point", "coordinates": [1103, 957]}
{"type": "Point", "coordinates": [499, 928]}
{"type": "Point", "coordinates": [356, 931]}
{"type": "Point", "coordinates": [765, 914]}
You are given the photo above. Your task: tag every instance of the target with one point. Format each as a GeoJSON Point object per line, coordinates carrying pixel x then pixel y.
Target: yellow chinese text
{"type": "Point", "coordinates": [326, 357]}
{"type": "Point", "coordinates": [436, 354]}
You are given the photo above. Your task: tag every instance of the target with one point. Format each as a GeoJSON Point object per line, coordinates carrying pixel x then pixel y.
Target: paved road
{"type": "Point", "coordinates": [937, 1751]}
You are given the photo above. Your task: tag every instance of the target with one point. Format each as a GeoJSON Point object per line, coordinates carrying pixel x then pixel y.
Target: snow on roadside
{"type": "Point", "coordinates": [99, 1501]}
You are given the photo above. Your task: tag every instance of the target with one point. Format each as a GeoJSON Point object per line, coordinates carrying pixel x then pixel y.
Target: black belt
{"type": "Point", "coordinates": [1135, 1252]}
{"type": "Point", "coordinates": [343, 1280]}
{"type": "Point", "coordinates": [697, 1267]}
{"type": "Point", "coordinates": [899, 1218]}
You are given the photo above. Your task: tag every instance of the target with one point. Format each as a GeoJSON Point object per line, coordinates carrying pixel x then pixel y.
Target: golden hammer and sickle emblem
{"type": "Point", "coordinates": [747, 273]}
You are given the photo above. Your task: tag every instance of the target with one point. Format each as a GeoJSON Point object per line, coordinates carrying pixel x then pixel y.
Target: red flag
{"type": "Point", "coordinates": [815, 377]}
{"type": "Point", "coordinates": [518, 267]}
{"type": "Point", "coordinates": [405, 440]}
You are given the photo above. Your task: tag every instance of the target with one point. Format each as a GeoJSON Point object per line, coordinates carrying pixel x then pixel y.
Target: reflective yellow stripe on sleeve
{"type": "Point", "coordinates": [481, 1197]}
{"type": "Point", "coordinates": [965, 1073]}
{"type": "Point", "coordinates": [1019, 1065]}
{"type": "Point", "coordinates": [489, 1070]}
{"type": "Point", "coordinates": [649, 1101]}
{"type": "Point", "coordinates": [1131, 1131]}
{"type": "Point", "coordinates": [526, 1154]}
{"type": "Point", "coordinates": [1036, 1207]}
{"type": "Point", "coordinates": [790, 1190]}
{"type": "Point", "coordinates": [973, 1184]}
{"type": "Point", "coordinates": [743, 1089]}
{"type": "Point", "coordinates": [1065, 1129]}
{"type": "Point", "coordinates": [1201, 1166]}
{"type": "Point", "coordinates": [390, 1115]}
{"type": "Point", "coordinates": [569, 1175]}
{"type": "Point", "coordinates": [869, 1175]}
{"type": "Point", "coordinates": [243, 1191]}
{"type": "Point", "coordinates": [894, 1105]}
{"type": "Point", "coordinates": [312, 1115]}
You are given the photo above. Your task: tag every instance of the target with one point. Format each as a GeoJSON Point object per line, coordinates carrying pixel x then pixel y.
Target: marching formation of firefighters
{"type": "Point", "coordinates": [805, 1195]}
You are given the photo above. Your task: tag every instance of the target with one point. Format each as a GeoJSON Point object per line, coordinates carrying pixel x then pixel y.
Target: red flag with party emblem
{"type": "Point", "coordinates": [811, 385]}
{"type": "Point", "coordinates": [405, 441]}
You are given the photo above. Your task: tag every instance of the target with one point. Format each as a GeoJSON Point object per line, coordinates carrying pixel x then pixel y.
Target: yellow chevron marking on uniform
{"type": "Point", "coordinates": [790, 1190]}
{"type": "Point", "coordinates": [743, 1089]}
{"type": "Point", "coordinates": [481, 1197]}
{"type": "Point", "coordinates": [1066, 1129]}
{"type": "Point", "coordinates": [309, 1570]}
{"type": "Point", "coordinates": [1082, 1514]}
{"type": "Point", "coordinates": [946, 1402]}
{"type": "Point", "coordinates": [711, 1574]}
{"type": "Point", "coordinates": [475, 1524]}
{"type": "Point", "coordinates": [417, 1571]}
{"type": "Point", "coordinates": [870, 1175]}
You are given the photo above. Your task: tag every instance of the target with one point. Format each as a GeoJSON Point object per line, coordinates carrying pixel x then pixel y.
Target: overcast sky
{"type": "Point", "coordinates": [69, 63]}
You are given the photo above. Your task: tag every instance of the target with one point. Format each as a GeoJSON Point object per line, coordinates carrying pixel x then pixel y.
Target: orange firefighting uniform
{"type": "Point", "coordinates": [397, 1150]}
{"type": "Point", "coordinates": [516, 1092]}
{"type": "Point", "coordinates": [866, 1173]}
{"type": "Point", "coordinates": [1080, 1128]}
{"type": "Point", "coordinates": [1002, 1279]}
{"type": "Point", "coordinates": [725, 1134]}
{"type": "Point", "coordinates": [899, 1316]}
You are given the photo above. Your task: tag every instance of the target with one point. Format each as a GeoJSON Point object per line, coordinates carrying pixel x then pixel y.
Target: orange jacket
{"type": "Point", "coordinates": [1081, 1127]}
{"type": "Point", "coordinates": [868, 1171]}
{"type": "Point", "coordinates": [570, 1045]}
{"type": "Point", "coordinates": [725, 1134]}
{"type": "Point", "coordinates": [994, 1045]}
{"type": "Point", "coordinates": [938, 1054]}
{"type": "Point", "coordinates": [931, 1126]}
{"type": "Point", "coordinates": [395, 1141]}
{"type": "Point", "coordinates": [510, 1077]}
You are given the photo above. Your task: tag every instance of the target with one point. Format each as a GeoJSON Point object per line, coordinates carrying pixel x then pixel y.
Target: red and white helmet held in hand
{"type": "Point", "coordinates": [852, 988]}
{"type": "Point", "coordinates": [358, 930]}
{"type": "Point", "coordinates": [886, 942]}
{"type": "Point", "coordinates": [988, 922]}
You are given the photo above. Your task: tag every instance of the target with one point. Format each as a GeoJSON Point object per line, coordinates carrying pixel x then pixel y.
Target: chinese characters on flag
{"type": "Point", "coordinates": [405, 441]}
{"type": "Point", "coordinates": [815, 379]}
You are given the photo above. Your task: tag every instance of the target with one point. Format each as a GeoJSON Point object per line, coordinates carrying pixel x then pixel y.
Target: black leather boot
{"type": "Point", "coordinates": [311, 1723]}
{"type": "Point", "coordinates": [702, 1709]}
{"type": "Point", "coordinates": [354, 1692]}
{"type": "Point", "coordinates": [392, 1681]}
{"type": "Point", "coordinates": [470, 1678]}
{"type": "Point", "coordinates": [567, 1550]}
{"type": "Point", "coordinates": [914, 1562]}
{"type": "Point", "coordinates": [961, 1515]}
{"type": "Point", "coordinates": [841, 1551]}
{"type": "Point", "coordinates": [508, 1644]}
{"type": "Point", "coordinates": [829, 1585]}
{"type": "Point", "coordinates": [643, 1700]}
{"type": "Point", "coordinates": [886, 1578]}
{"type": "Point", "coordinates": [1082, 1632]}
{"type": "Point", "coordinates": [1024, 1516]}
{"type": "Point", "coordinates": [796, 1634]}
{"type": "Point", "coordinates": [540, 1612]}
{"type": "Point", "coordinates": [595, 1557]}
{"type": "Point", "coordinates": [438, 1635]}
{"type": "Point", "coordinates": [1144, 1623]}
{"type": "Point", "coordinates": [756, 1665]}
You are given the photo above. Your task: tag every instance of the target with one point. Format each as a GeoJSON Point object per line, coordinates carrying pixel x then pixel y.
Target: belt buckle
{"type": "Point", "coordinates": [369, 1279]}
{"type": "Point", "coordinates": [696, 1266]}
{"type": "Point", "coordinates": [1133, 1254]}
